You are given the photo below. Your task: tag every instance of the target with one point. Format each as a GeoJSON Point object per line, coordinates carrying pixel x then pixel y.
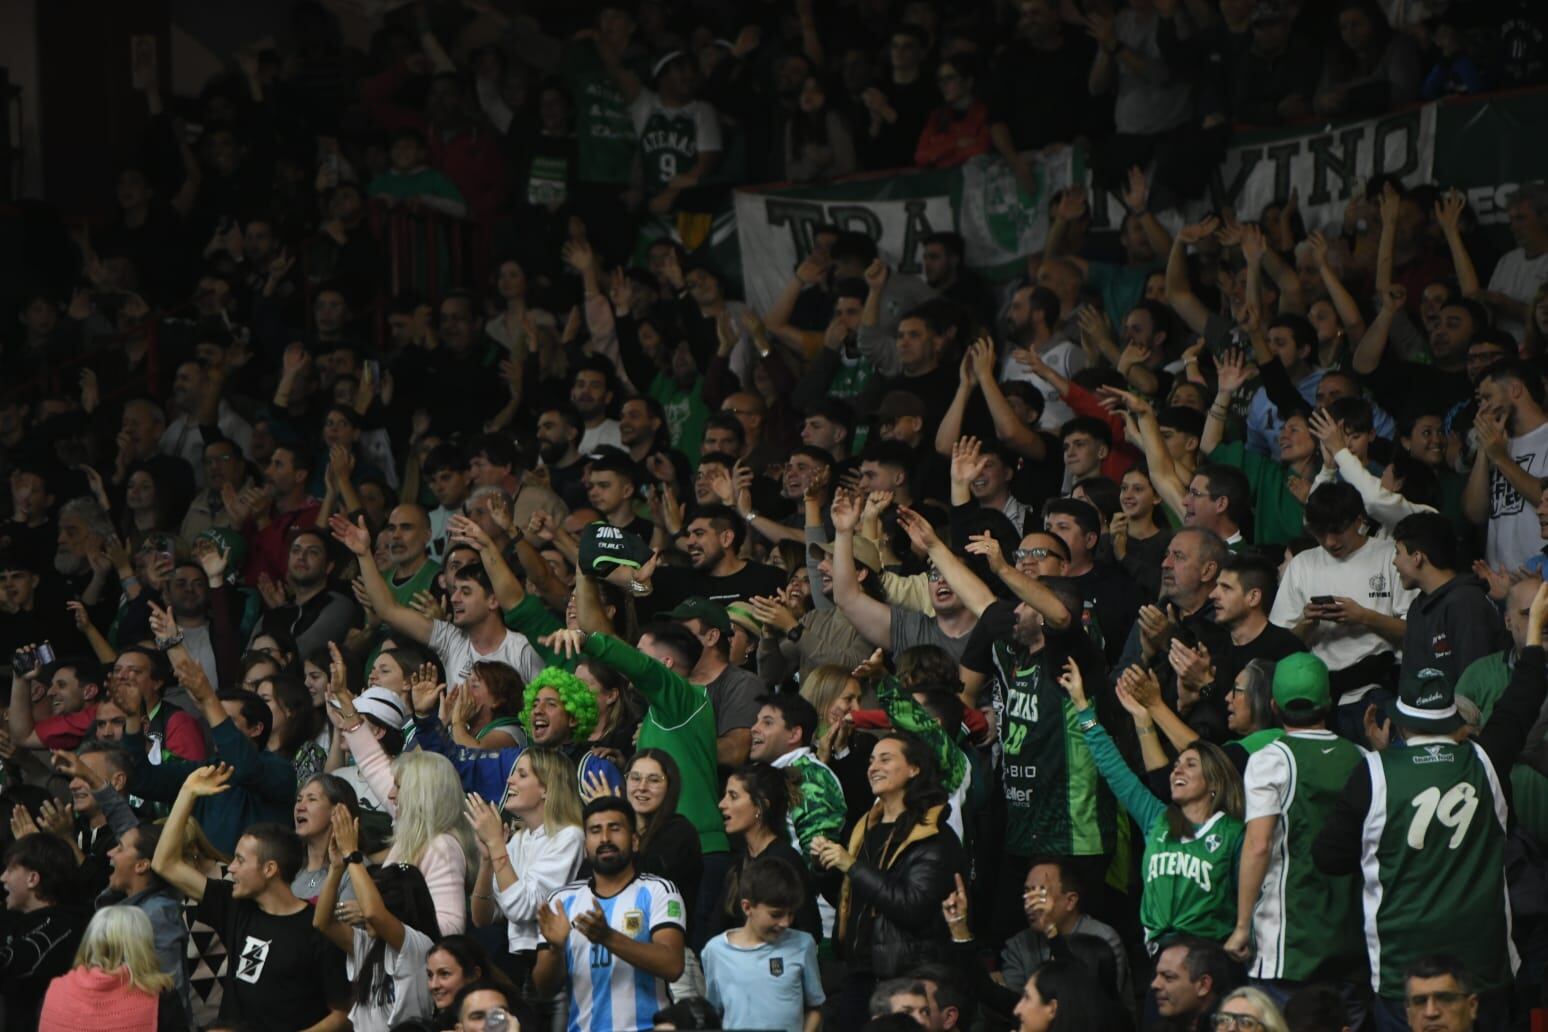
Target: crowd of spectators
{"type": "Point", "coordinates": [535, 634]}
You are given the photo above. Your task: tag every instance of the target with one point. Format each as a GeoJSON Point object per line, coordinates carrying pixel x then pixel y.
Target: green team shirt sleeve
{"type": "Point", "coordinates": [1131, 792]}
{"type": "Point", "coordinates": [822, 807]}
{"type": "Point", "coordinates": [908, 715]}
{"type": "Point", "coordinates": [532, 618]}
{"type": "Point", "coordinates": [668, 693]}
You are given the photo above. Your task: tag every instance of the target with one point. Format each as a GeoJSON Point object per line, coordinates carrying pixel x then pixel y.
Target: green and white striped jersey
{"type": "Point", "coordinates": [1306, 925]}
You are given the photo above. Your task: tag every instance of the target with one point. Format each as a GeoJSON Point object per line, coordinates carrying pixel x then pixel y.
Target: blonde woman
{"type": "Point", "coordinates": [835, 693]}
{"type": "Point", "coordinates": [544, 855]}
{"type": "Point", "coordinates": [1250, 1010]}
{"type": "Point", "coordinates": [423, 794]}
{"type": "Point", "coordinates": [117, 984]}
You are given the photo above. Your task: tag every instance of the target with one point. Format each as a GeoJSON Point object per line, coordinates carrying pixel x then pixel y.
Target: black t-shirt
{"type": "Point", "coordinates": [284, 975]}
{"type": "Point", "coordinates": [1112, 602]}
{"type": "Point", "coordinates": [1272, 643]}
{"type": "Point", "coordinates": [672, 584]}
{"type": "Point", "coordinates": [35, 948]}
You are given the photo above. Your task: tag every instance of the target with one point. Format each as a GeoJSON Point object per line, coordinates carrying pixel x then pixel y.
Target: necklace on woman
{"type": "Point", "coordinates": [311, 881]}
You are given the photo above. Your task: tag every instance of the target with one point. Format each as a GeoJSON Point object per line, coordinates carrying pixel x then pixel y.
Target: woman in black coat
{"type": "Point", "coordinates": [902, 860]}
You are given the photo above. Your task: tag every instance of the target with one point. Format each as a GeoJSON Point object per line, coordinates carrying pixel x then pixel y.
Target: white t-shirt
{"type": "Point", "coordinates": [1064, 358]}
{"type": "Point", "coordinates": [1514, 533]}
{"type": "Point", "coordinates": [608, 994]}
{"type": "Point", "coordinates": [605, 432]}
{"type": "Point", "coordinates": [1517, 276]}
{"type": "Point", "coordinates": [455, 650]}
{"type": "Point", "coordinates": [1368, 576]}
{"type": "Point", "coordinates": [410, 983]}
{"type": "Point", "coordinates": [543, 863]}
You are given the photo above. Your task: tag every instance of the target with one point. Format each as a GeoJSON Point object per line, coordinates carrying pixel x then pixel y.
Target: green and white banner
{"type": "Point", "coordinates": [1487, 146]}
{"type": "Point", "coordinates": [1324, 166]}
{"type": "Point", "coordinates": [981, 200]}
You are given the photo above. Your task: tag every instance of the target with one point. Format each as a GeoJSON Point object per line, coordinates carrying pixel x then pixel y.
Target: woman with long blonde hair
{"type": "Point", "coordinates": [835, 693]}
{"type": "Point", "coordinates": [544, 795]}
{"type": "Point", "coordinates": [117, 984]}
{"type": "Point", "coordinates": [422, 793]}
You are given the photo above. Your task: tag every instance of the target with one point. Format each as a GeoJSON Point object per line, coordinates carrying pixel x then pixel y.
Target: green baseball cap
{"type": "Point", "coordinates": [741, 614]}
{"type": "Point", "coordinates": [699, 608]}
{"type": "Point", "coordinates": [1301, 684]}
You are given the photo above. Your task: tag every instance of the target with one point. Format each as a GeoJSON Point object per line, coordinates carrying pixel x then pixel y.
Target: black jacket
{"type": "Point", "coordinates": [890, 912]}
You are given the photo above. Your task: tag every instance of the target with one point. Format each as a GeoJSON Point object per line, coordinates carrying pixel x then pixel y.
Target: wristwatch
{"type": "Point", "coordinates": [357, 857]}
{"type": "Point", "coordinates": [163, 644]}
{"type": "Point", "coordinates": [794, 634]}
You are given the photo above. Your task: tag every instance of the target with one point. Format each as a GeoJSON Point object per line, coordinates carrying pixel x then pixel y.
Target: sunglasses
{"type": "Point", "coordinates": [1021, 554]}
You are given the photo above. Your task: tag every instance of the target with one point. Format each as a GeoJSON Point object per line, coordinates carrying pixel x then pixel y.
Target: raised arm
{"type": "Point", "coordinates": [1136, 198]}
{"type": "Point", "coordinates": [325, 913]}
{"type": "Point", "coordinates": [357, 539]}
{"type": "Point", "coordinates": [873, 619]}
{"type": "Point", "coordinates": [1033, 592]}
{"type": "Point", "coordinates": [1448, 215]}
{"type": "Point", "coordinates": [380, 922]}
{"type": "Point", "coordinates": [1162, 470]}
{"type": "Point", "coordinates": [1373, 344]}
{"type": "Point", "coordinates": [974, 593]}
{"type": "Point", "coordinates": [1391, 208]}
{"type": "Point", "coordinates": [950, 430]}
{"type": "Point", "coordinates": [1232, 375]}
{"type": "Point", "coordinates": [1131, 792]}
{"type": "Point", "coordinates": [1343, 302]}
{"type": "Point", "coordinates": [1179, 292]}
{"type": "Point", "coordinates": [1010, 429]}
{"type": "Point", "coordinates": [168, 861]}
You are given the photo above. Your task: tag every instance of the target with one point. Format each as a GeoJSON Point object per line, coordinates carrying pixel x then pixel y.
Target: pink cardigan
{"type": "Point", "coordinates": [103, 1001]}
{"type": "Point", "coordinates": [444, 865]}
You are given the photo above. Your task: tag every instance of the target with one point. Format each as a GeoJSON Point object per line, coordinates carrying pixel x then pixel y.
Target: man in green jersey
{"type": "Point", "coordinates": [679, 136]}
{"type": "Point", "coordinates": [1056, 804]}
{"type": "Point", "coordinates": [1424, 822]}
{"type": "Point", "coordinates": [1293, 923]}
{"type": "Point", "coordinates": [679, 719]}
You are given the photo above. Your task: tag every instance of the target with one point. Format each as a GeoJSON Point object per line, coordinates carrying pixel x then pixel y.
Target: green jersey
{"type": "Point", "coordinates": [685, 411]}
{"type": "Point", "coordinates": [680, 720]}
{"type": "Point", "coordinates": [532, 618]}
{"type": "Point", "coordinates": [1056, 803]}
{"type": "Point", "coordinates": [1306, 925]}
{"type": "Point", "coordinates": [1433, 862]}
{"type": "Point", "coordinates": [604, 134]}
{"type": "Point", "coordinates": [821, 808]}
{"type": "Point", "coordinates": [1190, 882]}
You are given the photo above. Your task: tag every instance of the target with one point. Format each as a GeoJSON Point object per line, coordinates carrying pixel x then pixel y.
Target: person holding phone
{"type": "Point", "coordinates": [1347, 601]}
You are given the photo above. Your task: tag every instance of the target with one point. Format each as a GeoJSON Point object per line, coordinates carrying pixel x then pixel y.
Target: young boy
{"type": "Point", "coordinates": [764, 974]}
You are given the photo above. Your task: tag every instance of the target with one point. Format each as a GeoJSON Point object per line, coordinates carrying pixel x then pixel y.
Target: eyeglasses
{"type": "Point", "coordinates": [935, 574]}
{"type": "Point", "coordinates": [653, 780]}
{"type": "Point", "coordinates": [1021, 554]}
{"type": "Point", "coordinates": [1238, 1021]}
{"type": "Point", "coordinates": [1448, 998]}
{"type": "Point", "coordinates": [1194, 492]}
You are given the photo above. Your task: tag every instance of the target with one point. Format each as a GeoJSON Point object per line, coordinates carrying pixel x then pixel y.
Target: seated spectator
{"type": "Point", "coordinates": [116, 978]}
{"type": "Point", "coordinates": [1370, 68]}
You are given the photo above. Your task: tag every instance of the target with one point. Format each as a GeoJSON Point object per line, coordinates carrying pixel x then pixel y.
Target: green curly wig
{"type": "Point", "coordinates": [574, 696]}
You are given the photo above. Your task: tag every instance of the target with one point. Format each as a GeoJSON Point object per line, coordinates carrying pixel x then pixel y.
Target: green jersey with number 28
{"type": "Point", "coordinates": [1056, 802]}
